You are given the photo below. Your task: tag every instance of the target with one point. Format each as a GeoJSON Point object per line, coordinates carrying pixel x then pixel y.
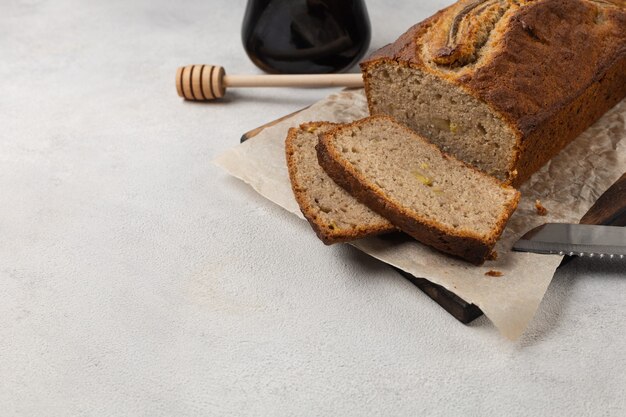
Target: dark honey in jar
{"type": "Point", "coordinates": [305, 36]}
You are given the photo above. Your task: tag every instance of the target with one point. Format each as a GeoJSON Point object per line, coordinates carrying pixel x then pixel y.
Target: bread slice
{"type": "Point", "coordinates": [333, 213]}
{"type": "Point", "coordinates": [426, 193]}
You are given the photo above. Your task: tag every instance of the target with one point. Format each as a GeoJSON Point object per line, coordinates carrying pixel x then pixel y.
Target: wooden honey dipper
{"type": "Point", "coordinates": [208, 82]}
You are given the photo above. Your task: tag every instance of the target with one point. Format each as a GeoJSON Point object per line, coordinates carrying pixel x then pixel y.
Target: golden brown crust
{"type": "Point", "coordinates": [462, 244]}
{"type": "Point", "coordinates": [571, 120]}
{"type": "Point", "coordinates": [549, 68]}
{"type": "Point", "coordinates": [327, 233]}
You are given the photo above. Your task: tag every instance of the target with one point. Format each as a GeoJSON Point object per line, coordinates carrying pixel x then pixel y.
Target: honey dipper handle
{"type": "Point", "coordinates": [208, 82]}
{"type": "Point", "coordinates": [295, 80]}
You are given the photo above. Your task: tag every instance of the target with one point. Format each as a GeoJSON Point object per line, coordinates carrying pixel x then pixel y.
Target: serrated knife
{"type": "Point", "coordinates": [599, 234]}
{"type": "Point", "coordinates": [575, 239]}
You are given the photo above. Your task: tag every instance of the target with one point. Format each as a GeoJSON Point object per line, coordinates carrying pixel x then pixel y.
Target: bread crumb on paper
{"type": "Point", "coordinates": [541, 210]}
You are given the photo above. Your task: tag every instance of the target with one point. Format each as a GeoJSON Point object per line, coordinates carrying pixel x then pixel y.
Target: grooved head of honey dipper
{"type": "Point", "coordinates": [200, 82]}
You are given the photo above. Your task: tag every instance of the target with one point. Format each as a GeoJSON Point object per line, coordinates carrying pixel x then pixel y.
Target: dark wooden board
{"type": "Point", "coordinates": [610, 209]}
{"type": "Point", "coordinates": [252, 133]}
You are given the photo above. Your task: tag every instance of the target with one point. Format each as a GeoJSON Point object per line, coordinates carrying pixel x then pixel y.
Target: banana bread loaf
{"type": "Point", "coordinates": [504, 84]}
{"type": "Point", "coordinates": [431, 196]}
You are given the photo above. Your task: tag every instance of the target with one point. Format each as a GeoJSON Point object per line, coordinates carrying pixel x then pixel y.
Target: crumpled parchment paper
{"type": "Point", "coordinates": [567, 186]}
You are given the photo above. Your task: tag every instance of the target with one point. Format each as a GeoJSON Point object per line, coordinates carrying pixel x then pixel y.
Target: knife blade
{"type": "Point", "coordinates": [575, 239]}
{"type": "Point", "coordinates": [598, 234]}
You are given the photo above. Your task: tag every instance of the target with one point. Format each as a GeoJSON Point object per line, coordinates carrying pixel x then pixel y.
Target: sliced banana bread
{"type": "Point", "coordinates": [428, 194]}
{"type": "Point", "coordinates": [334, 214]}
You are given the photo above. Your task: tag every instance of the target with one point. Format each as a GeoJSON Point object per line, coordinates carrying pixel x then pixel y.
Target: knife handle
{"type": "Point", "coordinates": [610, 208]}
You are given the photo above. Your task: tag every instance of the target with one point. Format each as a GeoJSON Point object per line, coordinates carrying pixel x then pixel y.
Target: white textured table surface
{"type": "Point", "coordinates": [136, 278]}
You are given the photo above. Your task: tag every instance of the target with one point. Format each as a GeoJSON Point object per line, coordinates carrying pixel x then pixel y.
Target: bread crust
{"type": "Point", "coordinates": [462, 244]}
{"type": "Point", "coordinates": [327, 233]}
{"type": "Point", "coordinates": [549, 68]}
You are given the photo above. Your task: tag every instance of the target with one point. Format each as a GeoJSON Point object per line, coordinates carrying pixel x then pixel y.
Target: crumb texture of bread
{"type": "Point", "coordinates": [333, 213]}
{"type": "Point", "coordinates": [428, 194]}
{"type": "Point", "coordinates": [504, 84]}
